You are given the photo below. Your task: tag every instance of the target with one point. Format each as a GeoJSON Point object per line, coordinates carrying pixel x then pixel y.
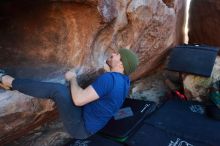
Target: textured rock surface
{"type": "Point", "coordinates": [50, 134]}
{"type": "Point", "coordinates": [204, 22]}
{"type": "Point", "coordinates": [151, 88]}
{"type": "Point", "coordinates": [196, 87]}
{"type": "Point", "coordinates": [42, 40]}
{"type": "Point", "coordinates": [20, 113]}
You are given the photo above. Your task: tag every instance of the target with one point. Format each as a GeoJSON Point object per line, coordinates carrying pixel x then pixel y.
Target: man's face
{"type": "Point", "coordinates": [114, 60]}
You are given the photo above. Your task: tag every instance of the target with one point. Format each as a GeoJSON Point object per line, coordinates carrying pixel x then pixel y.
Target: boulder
{"type": "Point", "coordinates": [197, 87]}
{"type": "Point", "coordinates": [204, 22]}
{"type": "Point", "coordinates": [41, 40]}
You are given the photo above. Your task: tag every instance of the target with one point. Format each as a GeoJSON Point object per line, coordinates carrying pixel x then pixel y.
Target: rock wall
{"type": "Point", "coordinates": [41, 40]}
{"type": "Point", "coordinates": [197, 87]}
{"type": "Point", "coordinates": [204, 22]}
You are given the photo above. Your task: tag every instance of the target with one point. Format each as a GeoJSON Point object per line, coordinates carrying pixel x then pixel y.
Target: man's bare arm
{"type": "Point", "coordinates": [80, 96]}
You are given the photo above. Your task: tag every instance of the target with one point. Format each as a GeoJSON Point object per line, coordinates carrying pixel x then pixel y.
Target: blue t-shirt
{"type": "Point", "coordinates": [112, 88]}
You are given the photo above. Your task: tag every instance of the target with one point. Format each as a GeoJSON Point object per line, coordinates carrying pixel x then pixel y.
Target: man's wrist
{"type": "Point", "coordinates": [72, 79]}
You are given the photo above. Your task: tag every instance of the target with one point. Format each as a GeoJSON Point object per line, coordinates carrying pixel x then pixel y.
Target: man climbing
{"type": "Point", "coordinates": [83, 111]}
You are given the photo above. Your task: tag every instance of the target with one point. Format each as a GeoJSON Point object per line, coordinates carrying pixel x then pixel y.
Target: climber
{"type": "Point", "coordinates": [83, 111]}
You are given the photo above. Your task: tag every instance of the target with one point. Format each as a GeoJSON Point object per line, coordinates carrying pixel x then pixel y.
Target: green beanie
{"type": "Point", "coordinates": [129, 60]}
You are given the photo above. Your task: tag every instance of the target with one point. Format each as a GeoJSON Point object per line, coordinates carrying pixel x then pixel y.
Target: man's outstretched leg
{"type": "Point", "coordinates": [69, 113]}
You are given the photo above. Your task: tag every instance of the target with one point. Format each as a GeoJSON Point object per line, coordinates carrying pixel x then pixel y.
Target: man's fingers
{"type": "Point", "coordinates": [69, 75]}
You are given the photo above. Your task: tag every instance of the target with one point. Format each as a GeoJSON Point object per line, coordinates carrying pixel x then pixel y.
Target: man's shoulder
{"type": "Point", "coordinates": [106, 76]}
{"type": "Point", "coordinates": [112, 75]}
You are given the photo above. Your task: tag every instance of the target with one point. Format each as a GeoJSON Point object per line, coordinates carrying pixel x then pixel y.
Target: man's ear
{"type": "Point", "coordinates": [121, 66]}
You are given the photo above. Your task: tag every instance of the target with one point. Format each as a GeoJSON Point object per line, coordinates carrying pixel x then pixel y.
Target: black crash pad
{"type": "Point", "coordinates": [178, 122]}
{"type": "Point", "coordinates": [124, 127]}
{"type": "Point", "coordinates": [149, 135]}
{"type": "Point", "coordinates": [193, 59]}
{"type": "Point", "coordinates": [94, 140]}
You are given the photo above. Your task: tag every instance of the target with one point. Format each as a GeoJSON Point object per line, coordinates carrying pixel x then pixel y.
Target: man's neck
{"type": "Point", "coordinates": [117, 70]}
